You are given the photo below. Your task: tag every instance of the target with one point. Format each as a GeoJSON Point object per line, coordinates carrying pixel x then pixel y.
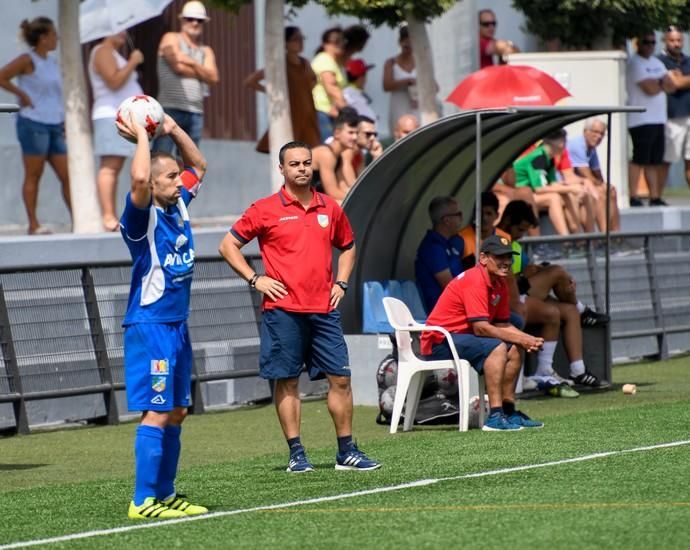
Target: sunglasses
{"type": "Point", "coordinates": [194, 20]}
{"type": "Point", "coordinates": [371, 134]}
{"type": "Point", "coordinates": [488, 23]}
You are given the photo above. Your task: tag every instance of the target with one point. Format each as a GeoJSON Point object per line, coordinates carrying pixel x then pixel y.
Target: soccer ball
{"type": "Point", "coordinates": [147, 112]}
{"type": "Point", "coordinates": [473, 420]}
{"type": "Point", "coordinates": [387, 373]}
{"type": "Point", "coordinates": [386, 401]}
{"type": "Point", "coordinates": [447, 380]}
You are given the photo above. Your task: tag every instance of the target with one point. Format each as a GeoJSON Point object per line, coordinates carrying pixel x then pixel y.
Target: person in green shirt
{"type": "Point", "coordinates": [537, 170]}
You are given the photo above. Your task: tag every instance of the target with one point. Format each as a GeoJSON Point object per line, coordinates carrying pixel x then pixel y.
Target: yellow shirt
{"type": "Point", "coordinates": [324, 63]}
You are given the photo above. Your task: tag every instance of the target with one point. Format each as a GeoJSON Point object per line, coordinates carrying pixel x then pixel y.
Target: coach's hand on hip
{"type": "Point", "coordinates": [337, 294]}
{"type": "Point", "coordinates": [275, 290]}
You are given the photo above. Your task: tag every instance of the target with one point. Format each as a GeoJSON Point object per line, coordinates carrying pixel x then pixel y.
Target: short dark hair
{"type": "Point", "coordinates": [489, 199]}
{"type": "Point", "coordinates": [291, 145]}
{"type": "Point", "coordinates": [157, 156]}
{"type": "Point", "coordinates": [346, 117]}
{"type": "Point", "coordinates": [365, 118]}
{"type": "Point", "coordinates": [518, 212]}
{"type": "Point", "coordinates": [403, 33]}
{"type": "Point", "coordinates": [356, 37]}
{"type": "Point", "coordinates": [556, 135]}
{"type": "Point", "coordinates": [290, 31]}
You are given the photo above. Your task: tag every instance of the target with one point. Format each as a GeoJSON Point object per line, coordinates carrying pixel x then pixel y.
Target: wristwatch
{"type": "Point", "coordinates": [342, 285]}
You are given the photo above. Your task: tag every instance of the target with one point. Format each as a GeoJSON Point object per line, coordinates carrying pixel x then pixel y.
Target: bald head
{"type": "Point", "coordinates": [406, 125]}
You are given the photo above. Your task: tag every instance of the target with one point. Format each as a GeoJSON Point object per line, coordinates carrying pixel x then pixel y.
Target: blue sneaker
{"type": "Point", "coordinates": [498, 422]}
{"type": "Point", "coordinates": [354, 459]}
{"type": "Point", "coordinates": [521, 419]}
{"type": "Point", "coordinates": [299, 463]}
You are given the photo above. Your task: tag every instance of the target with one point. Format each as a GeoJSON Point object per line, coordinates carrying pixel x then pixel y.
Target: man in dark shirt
{"type": "Point", "coordinates": [677, 131]}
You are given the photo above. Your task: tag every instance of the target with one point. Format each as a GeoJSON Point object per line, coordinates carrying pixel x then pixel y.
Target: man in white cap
{"type": "Point", "coordinates": [186, 68]}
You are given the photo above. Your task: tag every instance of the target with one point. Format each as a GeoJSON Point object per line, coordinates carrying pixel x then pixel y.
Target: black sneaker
{"type": "Point", "coordinates": [590, 318]}
{"type": "Point", "coordinates": [636, 201]}
{"type": "Point", "coordinates": [589, 380]}
{"type": "Point", "coordinates": [657, 202]}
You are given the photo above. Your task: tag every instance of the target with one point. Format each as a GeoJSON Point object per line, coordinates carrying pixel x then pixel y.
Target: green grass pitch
{"type": "Point", "coordinates": [72, 481]}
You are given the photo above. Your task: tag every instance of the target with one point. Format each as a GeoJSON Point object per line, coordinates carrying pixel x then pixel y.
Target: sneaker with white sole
{"type": "Point", "coordinates": [521, 419]}
{"type": "Point", "coordinates": [589, 380]}
{"type": "Point", "coordinates": [354, 459]}
{"type": "Point", "coordinates": [299, 463]}
{"type": "Point", "coordinates": [498, 422]}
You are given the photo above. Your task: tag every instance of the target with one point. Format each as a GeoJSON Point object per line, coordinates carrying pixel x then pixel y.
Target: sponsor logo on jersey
{"type": "Point", "coordinates": [160, 366]}
{"type": "Point", "coordinates": [158, 400]}
{"type": "Point", "coordinates": [158, 384]}
{"type": "Point", "coordinates": [323, 220]}
{"type": "Point", "coordinates": [179, 259]}
{"type": "Point", "coordinates": [181, 241]}
{"type": "Point", "coordinates": [288, 218]}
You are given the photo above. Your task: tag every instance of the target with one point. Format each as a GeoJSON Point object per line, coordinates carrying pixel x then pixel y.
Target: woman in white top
{"type": "Point", "coordinates": [113, 79]}
{"type": "Point", "coordinates": [400, 79]}
{"type": "Point", "coordinates": [40, 121]}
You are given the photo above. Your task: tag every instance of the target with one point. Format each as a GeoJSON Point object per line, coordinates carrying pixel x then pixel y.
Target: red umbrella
{"type": "Point", "coordinates": [507, 85]}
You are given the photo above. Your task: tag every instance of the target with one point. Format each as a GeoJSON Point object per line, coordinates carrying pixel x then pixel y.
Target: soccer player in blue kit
{"type": "Point", "coordinates": [158, 355]}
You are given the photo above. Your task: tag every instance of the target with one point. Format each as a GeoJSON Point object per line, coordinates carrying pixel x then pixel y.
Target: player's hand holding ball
{"type": "Point", "coordinates": [147, 112]}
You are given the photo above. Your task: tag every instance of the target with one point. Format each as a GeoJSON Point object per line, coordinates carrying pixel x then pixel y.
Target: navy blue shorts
{"type": "Point", "coordinates": [518, 321]}
{"type": "Point", "coordinates": [474, 349]}
{"type": "Point", "coordinates": [158, 366]}
{"type": "Point", "coordinates": [290, 341]}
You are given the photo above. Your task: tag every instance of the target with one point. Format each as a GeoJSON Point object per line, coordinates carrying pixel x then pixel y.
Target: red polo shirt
{"type": "Point", "coordinates": [468, 298]}
{"type": "Point", "coordinates": [297, 246]}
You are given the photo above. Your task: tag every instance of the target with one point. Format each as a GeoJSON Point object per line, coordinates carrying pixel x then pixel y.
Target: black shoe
{"type": "Point", "coordinates": [636, 201]}
{"type": "Point", "coordinates": [589, 380]}
{"type": "Point", "coordinates": [657, 202]}
{"type": "Point", "coordinates": [590, 318]}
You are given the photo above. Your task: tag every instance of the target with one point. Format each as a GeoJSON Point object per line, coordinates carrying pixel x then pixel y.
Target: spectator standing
{"type": "Point", "coordinates": [677, 129]}
{"type": "Point", "coordinates": [300, 81]}
{"type": "Point", "coordinates": [400, 79]}
{"type": "Point", "coordinates": [41, 117]}
{"type": "Point", "coordinates": [186, 69]}
{"type": "Point", "coordinates": [647, 83]}
{"type": "Point", "coordinates": [113, 79]}
{"type": "Point", "coordinates": [354, 93]}
{"type": "Point", "coordinates": [474, 308]}
{"type": "Point", "coordinates": [489, 45]}
{"type": "Point", "coordinates": [330, 80]}
{"type": "Point", "coordinates": [582, 150]}
{"type": "Point", "coordinates": [439, 254]}
{"type": "Point", "coordinates": [297, 229]}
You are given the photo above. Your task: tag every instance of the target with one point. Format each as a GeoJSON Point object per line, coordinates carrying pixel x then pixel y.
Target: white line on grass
{"type": "Point", "coordinates": [342, 496]}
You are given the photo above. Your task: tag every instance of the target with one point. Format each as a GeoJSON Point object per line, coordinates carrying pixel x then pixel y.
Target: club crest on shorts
{"type": "Point", "coordinates": [160, 366]}
{"type": "Point", "coordinates": [323, 220]}
{"type": "Point", "coordinates": [158, 384]}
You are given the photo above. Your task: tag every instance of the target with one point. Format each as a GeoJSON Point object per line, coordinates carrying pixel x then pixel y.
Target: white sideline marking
{"type": "Point", "coordinates": [342, 496]}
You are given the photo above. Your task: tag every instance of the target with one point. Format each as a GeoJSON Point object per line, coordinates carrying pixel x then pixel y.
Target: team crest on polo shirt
{"type": "Point", "coordinates": [495, 299]}
{"type": "Point", "coordinates": [323, 220]}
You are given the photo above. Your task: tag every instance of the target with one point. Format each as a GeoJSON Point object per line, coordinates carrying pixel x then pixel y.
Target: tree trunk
{"type": "Point", "coordinates": [426, 83]}
{"type": "Point", "coordinates": [279, 121]}
{"type": "Point", "coordinates": [86, 213]}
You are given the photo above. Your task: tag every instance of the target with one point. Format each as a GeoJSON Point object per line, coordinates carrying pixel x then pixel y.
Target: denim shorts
{"type": "Point", "coordinates": [474, 349]}
{"type": "Point", "coordinates": [107, 142]}
{"type": "Point", "coordinates": [191, 123]}
{"type": "Point", "coordinates": [289, 341]}
{"type": "Point", "coordinates": [41, 140]}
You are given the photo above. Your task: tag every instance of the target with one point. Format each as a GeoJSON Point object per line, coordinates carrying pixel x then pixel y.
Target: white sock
{"type": "Point", "coordinates": [545, 358]}
{"type": "Point", "coordinates": [580, 306]}
{"type": "Point", "coordinates": [577, 368]}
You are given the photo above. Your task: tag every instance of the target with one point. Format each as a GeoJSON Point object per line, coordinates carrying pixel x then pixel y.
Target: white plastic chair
{"type": "Point", "coordinates": [411, 369]}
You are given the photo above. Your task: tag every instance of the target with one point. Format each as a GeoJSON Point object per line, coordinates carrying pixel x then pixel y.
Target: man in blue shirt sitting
{"type": "Point", "coordinates": [439, 256]}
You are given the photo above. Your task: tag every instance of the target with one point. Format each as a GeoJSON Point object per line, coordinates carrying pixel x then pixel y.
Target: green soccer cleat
{"type": "Point", "coordinates": [153, 509]}
{"type": "Point", "coordinates": [179, 503]}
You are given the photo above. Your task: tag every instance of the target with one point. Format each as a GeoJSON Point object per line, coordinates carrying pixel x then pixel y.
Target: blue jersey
{"type": "Point", "coordinates": [162, 248]}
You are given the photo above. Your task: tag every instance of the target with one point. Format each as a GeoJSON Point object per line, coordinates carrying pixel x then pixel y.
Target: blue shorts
{"type": "Point", "coordinates": [474, 349]}
{"type": "Point", "coordinates": [191, 123]}
{"type": "Point", "coordinates": [325, 125]}
{"type": "Point", "coordinates": [40, 140]}
{"type": "Point", "coordinates": [107, 142]}
{"type": "Point", "coordinates": [518, 321]}
{"type": "Point", "coordinates": [158, 366]}
{"type": "Point", "coordinates": [290, 341]}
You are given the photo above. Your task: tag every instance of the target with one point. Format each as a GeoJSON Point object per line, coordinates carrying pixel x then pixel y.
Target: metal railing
{"type": "Point", "coordinates": [61, 333]}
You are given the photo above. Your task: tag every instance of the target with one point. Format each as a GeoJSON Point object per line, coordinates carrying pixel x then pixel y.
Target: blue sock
{"type": "Point", "coordinates": [295, 444]}
{"type": "Point", "coordinates": [148, 451]}
{"type": "Point", "coordinates": [171, 456]}
{"type": "Point", "coordinates": [344, 443]}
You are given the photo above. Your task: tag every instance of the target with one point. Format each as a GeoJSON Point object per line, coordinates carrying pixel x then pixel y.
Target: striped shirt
{"type": "Point", "coordinates": [181, 92]}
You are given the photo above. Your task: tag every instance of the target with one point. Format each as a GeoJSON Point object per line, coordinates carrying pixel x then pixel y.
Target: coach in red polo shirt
{"type": "Point", "coordinates": [297, 229]}
{"type": "Point", "coordinates": [474, 308]}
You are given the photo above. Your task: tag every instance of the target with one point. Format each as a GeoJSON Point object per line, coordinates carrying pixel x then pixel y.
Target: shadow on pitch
{"type": "Point", "coordinates": [13, 467]}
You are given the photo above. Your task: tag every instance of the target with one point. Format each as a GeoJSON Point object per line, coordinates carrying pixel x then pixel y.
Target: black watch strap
{"type": "Point", "coordinates": [342, 285]}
